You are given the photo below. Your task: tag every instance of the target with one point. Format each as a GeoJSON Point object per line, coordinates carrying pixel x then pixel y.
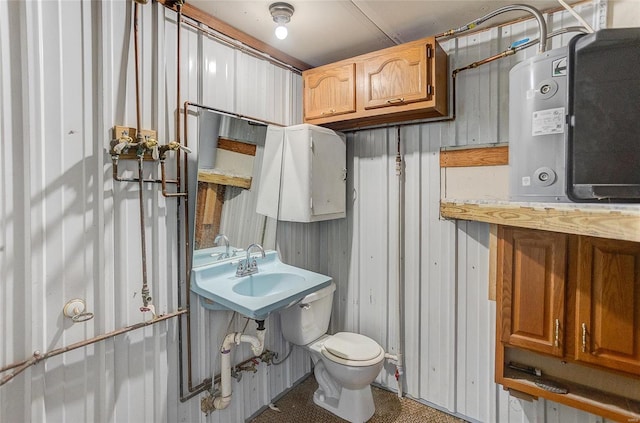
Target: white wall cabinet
{"type": "Point", "coordinates": [304, 174]}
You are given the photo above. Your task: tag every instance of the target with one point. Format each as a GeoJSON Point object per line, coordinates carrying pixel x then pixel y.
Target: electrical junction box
{"type": "Point", "coordinates": [303, 177]}
{"type": "Point", "coordinates": [537, 128]}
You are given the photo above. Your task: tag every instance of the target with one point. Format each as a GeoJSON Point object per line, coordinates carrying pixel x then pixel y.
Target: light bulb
{"type": "Point", "coordinates": [281, 32]}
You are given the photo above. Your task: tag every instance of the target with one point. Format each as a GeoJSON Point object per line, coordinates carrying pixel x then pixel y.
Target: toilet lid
{"type": "Point", "coordinates": [353, 347]}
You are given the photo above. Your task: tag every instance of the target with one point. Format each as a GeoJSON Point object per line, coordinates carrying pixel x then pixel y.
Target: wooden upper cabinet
{"type": "Point", "coordinates": [405, 82]}
{"type": "Point", "coordinates": [532, 288]}
{"type": "Point", "coordinates": [608, 304]}
{"type": "Point", "coordinates": [397, 78]}
{"type": "Point", "coordinates": [329, 91]}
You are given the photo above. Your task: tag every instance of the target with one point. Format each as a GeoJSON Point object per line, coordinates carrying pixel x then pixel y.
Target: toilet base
{"type": "Point", "coordinates": [353, 405]}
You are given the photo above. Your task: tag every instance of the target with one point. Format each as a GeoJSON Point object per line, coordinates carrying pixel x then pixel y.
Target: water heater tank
{"type": "Point", "coordinates": [537, 128]}
{"type": "Point", "coordinates": [574, 121]}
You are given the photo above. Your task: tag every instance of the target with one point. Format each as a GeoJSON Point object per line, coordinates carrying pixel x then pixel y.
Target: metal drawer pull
{"type": "Point", "coordinates": [556, 342]}
{"type": "Point", "coordinates": [330, 112]}
{"type": "Point", "coordinates": [396, 100]}
{"type": "Point", "coordinates": [584, 337]}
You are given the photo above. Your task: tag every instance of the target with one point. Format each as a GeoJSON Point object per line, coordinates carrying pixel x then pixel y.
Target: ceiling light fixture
{"type": "Point", "coordinates": [281, 13]}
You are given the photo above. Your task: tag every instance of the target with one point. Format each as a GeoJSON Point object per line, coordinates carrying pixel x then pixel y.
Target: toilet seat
{"type": "Point", "coordinates": [352, 349]}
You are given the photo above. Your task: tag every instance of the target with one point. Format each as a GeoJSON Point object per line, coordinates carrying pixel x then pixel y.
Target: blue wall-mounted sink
{"type": "Point", "coordinates": [274, 287]}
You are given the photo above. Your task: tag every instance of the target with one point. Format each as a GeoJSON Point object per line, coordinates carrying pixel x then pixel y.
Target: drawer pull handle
{"type": "Point", "coordinates": [556, 342]}
{"type": "Point", "coordinates": [584, 337]}
{"type": "Point", "coordinates": [330, 112]}
{"type": "Point", "coordinates": [396, 101]}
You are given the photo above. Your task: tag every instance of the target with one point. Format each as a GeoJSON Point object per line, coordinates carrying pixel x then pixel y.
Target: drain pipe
{"type": "Point", "coordinates": [257, 346]}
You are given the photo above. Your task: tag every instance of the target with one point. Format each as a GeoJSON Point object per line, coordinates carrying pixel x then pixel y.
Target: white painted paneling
{"type": "Point", "coordinates": [68, 230]}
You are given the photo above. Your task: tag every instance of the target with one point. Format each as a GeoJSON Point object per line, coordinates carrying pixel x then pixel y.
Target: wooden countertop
{"type": "Point", "coordinates": [619, 221]}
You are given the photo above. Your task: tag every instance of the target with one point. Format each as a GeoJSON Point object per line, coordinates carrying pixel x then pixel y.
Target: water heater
{"type": "Point", "coordinates": [574, 121]}
{"type": "Point", "coordinates": [537, 128]}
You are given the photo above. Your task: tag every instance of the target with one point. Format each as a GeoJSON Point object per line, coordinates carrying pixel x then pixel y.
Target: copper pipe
{"type": "Point", "coordinates": [164, 182]}
{"type": "Point", "coordinates": [208, 383]}
{"type": "Point", "coordinates": [513, 50]}
{"type": "Point", "coordinates": [509, 52]}
{"type": "Point", "coordinates": [187, 266]}
{"type": "Point", "coordinates": [178, 152]}
{"type": "Point", "coordinates": [137, 68]}
{"type": "Point", "coordinates": [37, 357]}
{"type": "Point", "coordinates": [121, 179]}
{"type": "Point", "coordinates": [14, 365]}
{"type": "Point", "coordinates": [146, 298]}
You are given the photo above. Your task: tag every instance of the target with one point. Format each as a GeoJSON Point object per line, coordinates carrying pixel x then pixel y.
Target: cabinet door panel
{"type": "Point", "coordinates": [608, 304]}
{"type": "Point", "coordinates": [533, 289]}
{"type": "Point", "coordinates": [396, 79]}
{"type": "Point", "coordinates": [329, 91]}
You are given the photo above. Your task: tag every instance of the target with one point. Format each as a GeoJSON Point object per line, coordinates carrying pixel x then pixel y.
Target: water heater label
{"type": "Point", "coordinates": [546, 122]}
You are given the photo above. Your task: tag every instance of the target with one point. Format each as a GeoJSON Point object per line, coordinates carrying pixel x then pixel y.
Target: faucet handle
{"type": "Point", "coordinates": [240, 271]}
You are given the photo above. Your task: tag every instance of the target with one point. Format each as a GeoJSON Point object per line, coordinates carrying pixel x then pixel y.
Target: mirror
{"type": "Point", "coordinates": [230, 155]}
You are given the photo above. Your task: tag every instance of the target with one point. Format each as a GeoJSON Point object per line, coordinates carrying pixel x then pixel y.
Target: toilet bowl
{"type": "Point", "coordinates": [345, 364]}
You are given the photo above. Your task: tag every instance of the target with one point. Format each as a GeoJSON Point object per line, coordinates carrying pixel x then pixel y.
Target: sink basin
{"type": "Point", "coordinates": [276, 285]}
{"type": "Point", "coordinates": [264, 284]}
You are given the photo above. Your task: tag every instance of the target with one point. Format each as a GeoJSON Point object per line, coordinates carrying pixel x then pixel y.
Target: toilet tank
{"type": "Point", "coordinates": [308, 320]}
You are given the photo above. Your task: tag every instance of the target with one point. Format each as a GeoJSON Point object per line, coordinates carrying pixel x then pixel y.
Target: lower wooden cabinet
{"type": "Point", "coordinates": [608, 304]}
{"type": "Point", "coordinates": [568, 312]}
{"type": "Point", "coordinates": [533, 289]}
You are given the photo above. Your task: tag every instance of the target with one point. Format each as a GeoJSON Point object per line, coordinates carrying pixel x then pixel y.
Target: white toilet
{"type": "Point", "coordinates": [345, 363]}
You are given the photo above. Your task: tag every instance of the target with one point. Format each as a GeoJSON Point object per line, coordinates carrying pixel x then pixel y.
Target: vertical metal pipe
{"type": "Point", "coordinates": [400, 273]}
{"type": "Point", "coordinates": [137, 69]}
{"type": "Point", "coordinates": [146, 298]}
{"type": "Point", "coordinates": [141, 150]}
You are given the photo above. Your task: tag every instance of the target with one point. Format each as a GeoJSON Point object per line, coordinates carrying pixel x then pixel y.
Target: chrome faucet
{"type": "Point", "coordinates": [249, 267]}
{"type": "Point", "coordinates": [226, 244]}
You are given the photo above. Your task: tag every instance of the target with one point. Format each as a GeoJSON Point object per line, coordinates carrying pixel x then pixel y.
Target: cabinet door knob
{"type": "Point", "coordinates": [584, 337]}
{"type": "Point", "coordinates": [556, 341]}
{"type": "Point", "coordinates": [396, 100]}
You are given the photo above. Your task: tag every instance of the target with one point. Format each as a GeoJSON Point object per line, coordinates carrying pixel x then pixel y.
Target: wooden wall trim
{"type": "Point", "coordinates": [203, 17]}
{"type": "Point", "coordinates": [237, 146]}
{"type": "Point", "coordinates": [485, 156]}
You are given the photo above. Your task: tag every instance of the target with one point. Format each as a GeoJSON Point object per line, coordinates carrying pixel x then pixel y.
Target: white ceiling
{"type": "Point", "coordinates": [324, 31]}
